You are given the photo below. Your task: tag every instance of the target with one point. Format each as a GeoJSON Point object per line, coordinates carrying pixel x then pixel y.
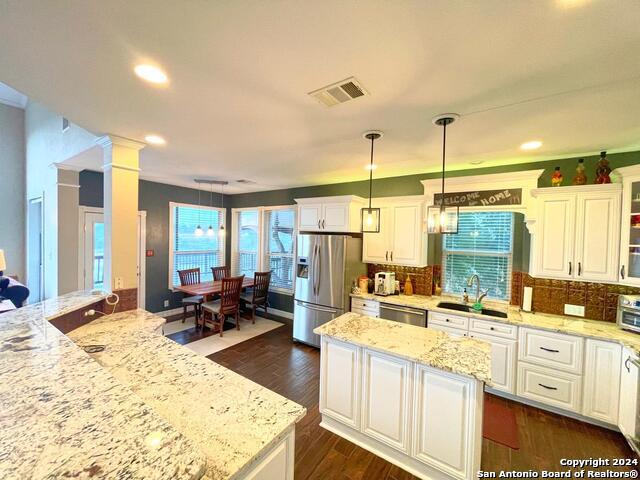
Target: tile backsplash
{"type": "Point", "coordinates": [549, 296]}
{"type": "Point", "coordinates": [421, 277]}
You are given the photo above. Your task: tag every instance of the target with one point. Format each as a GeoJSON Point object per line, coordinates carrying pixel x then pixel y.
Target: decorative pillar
{"type": "Point", "coordinates": [121, 172]}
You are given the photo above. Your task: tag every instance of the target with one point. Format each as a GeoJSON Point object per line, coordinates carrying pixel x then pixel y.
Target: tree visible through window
{"type": "Point", "coordinates": [483, 246]}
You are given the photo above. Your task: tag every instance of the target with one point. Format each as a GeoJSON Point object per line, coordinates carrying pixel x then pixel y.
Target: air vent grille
{"type": "Point", "coordinates": [339, 92]}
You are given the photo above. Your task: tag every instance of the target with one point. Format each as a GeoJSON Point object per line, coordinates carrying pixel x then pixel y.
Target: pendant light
{"type": "Point", "coordinates": [370, 217]}
{"type": "Point", "coordinates": [221, 231]}
{"type": "Point", "coordinates": [198, 231]}
{"type": "Point", "coordinates": [210, 229]}
{"type": "Point", "coordinates": [440, 218]}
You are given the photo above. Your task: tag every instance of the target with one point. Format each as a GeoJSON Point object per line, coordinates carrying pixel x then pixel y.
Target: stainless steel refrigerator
{"type": "Point", "coordinates": [326, 266]}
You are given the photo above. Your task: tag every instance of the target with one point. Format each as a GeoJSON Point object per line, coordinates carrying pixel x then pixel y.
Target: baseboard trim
{"type": "Point", "coordinates": [168, 313]}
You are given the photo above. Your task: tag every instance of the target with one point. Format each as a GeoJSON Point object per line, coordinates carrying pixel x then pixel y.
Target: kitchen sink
{"type": "Point", "coordinates": [466, 308]}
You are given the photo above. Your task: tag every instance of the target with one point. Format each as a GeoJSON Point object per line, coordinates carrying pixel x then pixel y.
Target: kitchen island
{"type": "Point", "coordinates": [142, 408]}
{"type": "Point", "coordinates": [410, 395]}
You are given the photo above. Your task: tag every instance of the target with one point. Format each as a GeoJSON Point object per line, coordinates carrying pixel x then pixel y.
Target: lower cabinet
{"type": "Point", "coordinates": [386, 394]}
{"type": "Point", "coordinates": [551, 386]}
{"type": "Point", "coordinates": [445, 440]}
{"type": "Point", "coordinates": [340, 382]}
{"type": "Point", "coordinates": [503, 361]}
{"type": "Point", "coordinates": [277, 464]}
{"type": "Point", "coordinates": [628, 393]}
{"type": "Point", "coordinates": [602, 380]}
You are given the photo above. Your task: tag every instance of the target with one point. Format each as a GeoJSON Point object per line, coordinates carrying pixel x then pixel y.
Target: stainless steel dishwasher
{"type": "Point", "coordinates": [396, 313]}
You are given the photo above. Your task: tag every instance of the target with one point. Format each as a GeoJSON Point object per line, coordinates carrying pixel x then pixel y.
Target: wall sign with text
{"type": "Point", "coordinates": [484, 198]}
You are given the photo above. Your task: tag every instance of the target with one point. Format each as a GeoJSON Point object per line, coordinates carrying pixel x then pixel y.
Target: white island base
{"type": "Point", "coordinates": [423, 419]}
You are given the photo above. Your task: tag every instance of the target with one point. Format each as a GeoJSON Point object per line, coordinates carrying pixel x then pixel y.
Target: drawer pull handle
{"type": "Point", "coordinates": [547, 387]}
{"type": "Point", "coordinates": [549, 350]}
{"type": "Point", "coordinates": [446, 320]}
{"type": "Point", "coordinates": [492, 328]}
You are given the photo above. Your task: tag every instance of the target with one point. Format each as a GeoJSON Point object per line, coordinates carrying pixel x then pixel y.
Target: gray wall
{"type": "Point", "coordinates": [12, 189]}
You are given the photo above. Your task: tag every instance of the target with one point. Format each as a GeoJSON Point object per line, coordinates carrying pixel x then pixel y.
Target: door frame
{"type": "Point", "coordinates": [142, 247]}
{"type": "Point", "coordinates": [39, 199]}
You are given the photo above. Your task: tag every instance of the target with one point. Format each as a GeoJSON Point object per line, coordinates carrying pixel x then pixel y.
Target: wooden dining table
{"type": "Point", "coordinates": [209, 289]}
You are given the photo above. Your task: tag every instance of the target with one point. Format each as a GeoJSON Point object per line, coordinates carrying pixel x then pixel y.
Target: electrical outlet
{"type": "Point", "coordinates": [166, 303]}
{"type": "Point", "coordinates": [575, 310]}
{"type": "Point", "coordinates": [119, 281]}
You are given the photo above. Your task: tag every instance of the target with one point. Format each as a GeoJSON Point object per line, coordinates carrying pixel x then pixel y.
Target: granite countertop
{"type": "Point", "coordinates": [464, 356]}
{"type": "Point", "coordinates": [64, 416]}
{"type": "Point", "coordinates": [229, 418]}
{"type": "Point", "coordinates": [555, 323]}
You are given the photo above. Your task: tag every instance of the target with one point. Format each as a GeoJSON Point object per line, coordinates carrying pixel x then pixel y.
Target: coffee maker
{"type": "Point", "coordinates": [384, 283]}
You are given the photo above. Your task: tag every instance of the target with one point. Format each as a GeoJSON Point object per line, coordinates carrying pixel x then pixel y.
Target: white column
{"type": "Point", "coordinates": [121, 172]}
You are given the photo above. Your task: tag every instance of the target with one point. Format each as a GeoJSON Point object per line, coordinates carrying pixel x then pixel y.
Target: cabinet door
{"type": "Point", "coordinates": [602, 380]}
{"type": "Point", "coordinates": [503, 361]}
{"type": "Point", "coordinates": [335, 217]}
{"type": "Point", "coordinates": [406, 235]}
{"type": "Point", "coordinates": [628, 393]}
{"type": "Point", "coordinates": [445, 428]}
{"type": "Point", "coordinates": [597, 237]}
{"type": "Point", "coordinates": [555, 236]}
{"type": "Point", "coordinates": [629, 270]}
{"type": "Point", "coordinates": [375, 246]}
{"type": "Point", "coordinates": [339, 382]}
{"type": "Point", "coordinates": [386, 394]}
{"type": "Point", "coordinates": [309, 217]}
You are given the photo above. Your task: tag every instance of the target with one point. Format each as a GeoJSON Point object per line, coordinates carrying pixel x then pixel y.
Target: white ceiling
{"type": "Point", "coordinates": [566, 72]}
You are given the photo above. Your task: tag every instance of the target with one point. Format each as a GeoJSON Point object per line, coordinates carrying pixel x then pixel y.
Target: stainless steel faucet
{"type": "Point", "coordinates": [479, 296]}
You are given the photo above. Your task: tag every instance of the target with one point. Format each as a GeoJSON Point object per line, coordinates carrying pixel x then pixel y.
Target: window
{"type": "Point", "coordinates": [483, 246]}
{"type": "Point", "coordinates": [264, 239]}
{"type": "Point", "coordinates": [189, 250]}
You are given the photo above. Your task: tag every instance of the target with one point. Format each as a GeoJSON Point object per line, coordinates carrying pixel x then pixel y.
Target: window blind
{"type": "Point", "coordinates": [279, 244]}
{"type": "Point", "coordinates": [195, 251]}
{"type": "Point", "coordinates": [246, 242]}
{"type": "Point", "coordinates": [483, 246]}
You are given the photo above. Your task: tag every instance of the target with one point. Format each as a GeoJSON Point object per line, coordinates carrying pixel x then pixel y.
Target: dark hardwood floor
{"type": "Point", "coordinates": [292, 370]}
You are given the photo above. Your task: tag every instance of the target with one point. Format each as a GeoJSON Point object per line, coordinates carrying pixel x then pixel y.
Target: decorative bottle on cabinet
{"type": "Point", "coordinates": [580, 177]}
{"type": "Point", "coordinates": [556, 178]}
{"type": "Point", "coordinates": [408, 287]}
{"type": "Point", "coordinates": [603, 170]}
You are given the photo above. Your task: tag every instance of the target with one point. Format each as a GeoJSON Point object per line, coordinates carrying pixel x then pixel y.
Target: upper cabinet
{"type": "Point", "coordinates": [329, 214]}
{"type": "Point", "coordinates": [576, 232]}
{"type": "Point", "coordinates": [629, 271]}
{"type": "Point", "coordinates": [401, 238]}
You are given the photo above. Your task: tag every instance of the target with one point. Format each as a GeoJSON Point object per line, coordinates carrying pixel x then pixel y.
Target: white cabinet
{"type": "Point", "coordinates": [629, 271]}
{"type": "Point", "coordinates": [628, 393]}
{"type": "Point", "coordinates": [503, 361]}
{"type": "Point", "coordinates": [340, 382]}
{"type": "Point", "coordinates": [400, 240]}
{"type": "Point", "coordinates": [329, 214]}
{"type": "Point", "coordinates": [445, 440]}
{"type": "Point", "coordinates": [386, 392]}
{"type": "Point", "coordinates": [550, 349]}
{"type": "Point", "coordinates": [551, 386]}
{"type": "Point", "coordinates": [369, 308]}
{"type": "Point", "coordinates": [277, 464]}
{"type": "Point", "coordinates": [576, 233]}
{"type": "Point", "coordinates": [601, 380]}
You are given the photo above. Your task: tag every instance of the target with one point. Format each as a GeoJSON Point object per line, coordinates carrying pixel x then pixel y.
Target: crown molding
{"type": "Point", "coordinates": [109, 140]}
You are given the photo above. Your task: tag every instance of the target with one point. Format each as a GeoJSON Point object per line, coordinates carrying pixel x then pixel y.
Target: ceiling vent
{"type": "Point", "coordinates": [340, 92]}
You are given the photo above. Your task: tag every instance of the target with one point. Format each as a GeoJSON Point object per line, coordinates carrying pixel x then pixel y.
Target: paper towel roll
{"type": "Point", "coordinates": [527, 294]}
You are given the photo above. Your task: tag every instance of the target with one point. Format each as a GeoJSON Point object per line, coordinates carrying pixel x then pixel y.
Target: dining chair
{"type": "Point", "coordinates": [190, 276]}
{"type": "Point", "coordinates": [228, 304]}
{"type": "Point", "coordinates": [220, 272]}
{"type": "Point", "coordinates": [259, 295]}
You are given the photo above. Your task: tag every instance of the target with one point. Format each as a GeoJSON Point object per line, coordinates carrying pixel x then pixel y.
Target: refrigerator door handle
{"type": "Point", "coordinates": [316, 308]}
{"type": "Point", "coordinates": [316, 266]}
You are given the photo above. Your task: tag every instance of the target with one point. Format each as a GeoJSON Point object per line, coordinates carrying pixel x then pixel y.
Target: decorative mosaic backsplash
{"type": "Point", "coordinates": [421, 277]}
{"type": "Point", "coordinates": [549, 296]}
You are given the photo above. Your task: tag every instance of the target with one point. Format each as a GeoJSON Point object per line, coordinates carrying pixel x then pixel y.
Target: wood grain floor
{"type": "Point", "coordinates": [292, 370]}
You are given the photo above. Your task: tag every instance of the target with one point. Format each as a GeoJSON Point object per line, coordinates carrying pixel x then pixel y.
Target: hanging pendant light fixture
{"type": "Point", "coordinates": [210, 229]}
{"type": "Point", "coordinates": [198, 231]}
{"type": "Point", "coordinates": [370, 217]}
{"type": "Point", "coordinates": [440, 218]}
{"type": "Point", "coordinates": [221, 231]}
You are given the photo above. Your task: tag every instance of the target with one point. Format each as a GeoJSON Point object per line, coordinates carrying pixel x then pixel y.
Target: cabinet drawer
{"type": "Point", "coordinates": [493, 328]}
{"type": "Point", "coordinates": [554, 350]}
{"type": "Point", "coordinates": [454, 332]}
{"type": "Point", "coordinates": [366, 311]}
{"type": "Point", "coordinates": [446, 320]}
{"type": "Point", "coordinates": [366, 304]}
{"type": "Point", "coordinates": [549, 386]}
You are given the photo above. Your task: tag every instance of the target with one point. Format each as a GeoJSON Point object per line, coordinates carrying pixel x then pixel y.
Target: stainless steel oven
{"type": "Point", "coordinates": [629, 312]}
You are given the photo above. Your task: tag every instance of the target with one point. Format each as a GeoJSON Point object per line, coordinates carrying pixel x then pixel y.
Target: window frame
{"type": "Point", "coordinates": [509, 255]}
{"type": "Point", "coordinates": [223, 241]}
{"type": "Point", "coordinates": [261, 263]}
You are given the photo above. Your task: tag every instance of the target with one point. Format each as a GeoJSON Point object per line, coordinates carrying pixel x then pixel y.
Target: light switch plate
{"type": "Point", "coordinates": [166, 303]}
{"type": "Point", "coordinates": [575, 310]}
{"type": "Point", "coordinates": [119, 283]}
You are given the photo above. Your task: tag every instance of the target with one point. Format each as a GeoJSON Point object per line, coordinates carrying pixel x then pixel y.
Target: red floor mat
{"type": "Point", "coordinates": [499, 424]}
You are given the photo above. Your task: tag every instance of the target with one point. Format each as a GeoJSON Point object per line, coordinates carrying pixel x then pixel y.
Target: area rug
{"type": "Point", "coordinates": [499, 423]}
{"type": "Point", "coordinates": [215, 343]}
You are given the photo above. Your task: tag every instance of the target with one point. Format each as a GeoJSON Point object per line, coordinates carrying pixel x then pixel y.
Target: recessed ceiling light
{"type": "Point", "coordinates": [370, 167]}
{"type": "Point", "coordinates": [155, 140]}
{"type": "Point", "coordinates": [151, 73]}
{"type": "Point", "coordinates": [532, 145]}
